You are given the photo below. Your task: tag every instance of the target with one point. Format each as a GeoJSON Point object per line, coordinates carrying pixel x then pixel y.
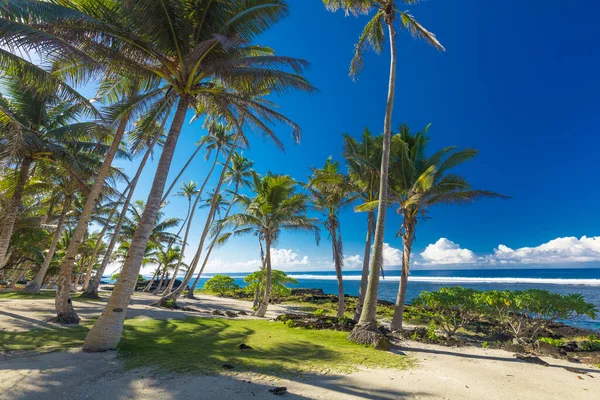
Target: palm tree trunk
{"type": "Point", "coordinates": [149, 285]}
{"type": "Point", "coordinates": [187, 164]}
{"type": "Point", "coordinates": [160, 282]}
{"type": "Point", "coordinates": [213, 207]}
{"type": "Point", "coordinates": [65, 313]}
{"type": "Point", "coordinates": [212, 245]}
{"type": "Point", "coordinates": [262, 308]}
{"type": "Point", "coordinates": [106, 332]}
{"type": "Point", "coordinates": [189, 224]}
{"type": "Point", "coordinates": [365, 270]}
{"type": "Point", "coordinates": [176, 270]}
{"type": "Point", "coordinates": [36, 284]}
{"type": "Point", "coordinates": [337, 260]}
{"type": "Point", "coordinates": [90, 268]}
{"type": "Point", "coordinates": [407, 239]}
{"type": "Point", "coordinates": [366, 331]}
{"type": "Point", "coordinates": [92, 290]}
{"type": "Point", "coordinates": [13, 211]}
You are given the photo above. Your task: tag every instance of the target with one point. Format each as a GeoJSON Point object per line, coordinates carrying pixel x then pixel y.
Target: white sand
{"type": "Point", "coordinates": [439, 373]}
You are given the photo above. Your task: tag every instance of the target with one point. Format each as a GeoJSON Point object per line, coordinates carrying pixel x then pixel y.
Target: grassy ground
{"type": "Point", "coordinates": [206, 344]}
{"type": "Point", "coordinates": [44, 294]}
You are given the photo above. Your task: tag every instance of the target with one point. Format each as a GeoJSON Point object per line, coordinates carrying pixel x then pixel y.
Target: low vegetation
{"type": "Point", "coordinates": [207, 344]}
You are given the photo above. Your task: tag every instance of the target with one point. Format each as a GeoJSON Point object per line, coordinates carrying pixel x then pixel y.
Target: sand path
{"type": "Point", "coordinates": [439, 373]}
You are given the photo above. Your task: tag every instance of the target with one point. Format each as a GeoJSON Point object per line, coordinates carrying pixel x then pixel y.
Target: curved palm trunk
{"type": "Point", "coordinates": [187, 164]}
{"type": "Point", "coordinates": [149, 285]}
{"type": "Point", "coordinates": [337, 259]}
{"type": "Point", "coordinates": [13, 211]}
{"type": "Point", "coordinates": [90, 268]}
{"type": "Point", "coordinates": [176, 270]}
{"type": "Point", "coordinates": [366, 331]}
{"type": "Point", "coordinates": [401, 297]}
{"type": "Point", "coordinates": [65, 313]}
{"type": "Point", "coordinates": [161, 281]}
{"type": "Point", "coordinates": [262, 308]}
{"type": "Point", "coordinates": [106, 332]}
{"type": "Point", "coordinates": [36, 284]}
{"type": "Point", "coordinates": [92, 290]}
{"type": "Point", "coordinates": [213, 207]}
{"type": "Point", "coordinates": [189, 225]}
{"type": "Point", "coordinates": [190, 293]}
{"type": "Point", "coordinates": [365, 269]}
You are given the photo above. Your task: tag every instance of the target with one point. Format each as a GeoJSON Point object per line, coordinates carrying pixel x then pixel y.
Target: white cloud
{"type": "Point", "coordinates": [285, 258]}
{"type": "Point", "coordinates": [352, 262]}
{"type": "Point", "coordinates": [392, 257]}
{"type": "Point", "coordinates": [559, 250]}
{"type": "Point", "coordinates": [445, 251]}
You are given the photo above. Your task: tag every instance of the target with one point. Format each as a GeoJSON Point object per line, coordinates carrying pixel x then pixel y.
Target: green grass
{"type": "Point", "coordinates": [205, 344]}
{"type": "Point", "coordinates": [19, 295]}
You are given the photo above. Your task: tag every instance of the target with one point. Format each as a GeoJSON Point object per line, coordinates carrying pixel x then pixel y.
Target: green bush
{"type": "Point", "coordinates": [553, 342]}
{"type": "Point", "coordinates": [485, 345]}
{"type": "Point", "coordinates": [591, 344]}
{"type": "Point", "coordinates": [256, 281]}
{"type": "Point", "coordinates": [170, 303]}
{"type": "Point", "coordinates": [525, 312]}
{"type": "Point", "coordinates": [221, 284]}
{"type": "Point", "coordinates": [319, 312]}
{"type": "Point", "coordinates": [140, 277]}
{"type": "Point", "coordinates": [451, 307]}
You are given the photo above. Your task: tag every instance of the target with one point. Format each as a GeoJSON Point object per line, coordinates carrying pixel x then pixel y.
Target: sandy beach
{"type": "Point", "coordinates": [437, 373]}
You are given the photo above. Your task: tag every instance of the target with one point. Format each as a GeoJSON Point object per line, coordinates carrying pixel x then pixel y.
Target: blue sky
{"type": "Point", "coordinates": [519, 82]}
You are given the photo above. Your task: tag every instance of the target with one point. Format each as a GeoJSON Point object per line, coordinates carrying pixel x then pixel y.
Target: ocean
{"type": "Point", "coordinates": [584, 281]}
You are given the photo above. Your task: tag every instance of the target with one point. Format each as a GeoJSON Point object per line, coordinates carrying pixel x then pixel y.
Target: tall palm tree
{"type": "Point", "coordinates": [36, 126]}
{"type": "Point", "coordinates": [363, 160]}
{"type": "Point", "coordinates": [330, 192]}
{"type": "Point", "coordinates": [419, 182]}
{"type": "Point", "coordinates": [143, 138]}
{"type": "Point", "coordinates": [275, 206]}
{"type": "Point", "coordinates": [189, 190]}
{"type": "Point", "coordinates": [238, 173]}
{"type": "Point", "coordinates": [373, 36]}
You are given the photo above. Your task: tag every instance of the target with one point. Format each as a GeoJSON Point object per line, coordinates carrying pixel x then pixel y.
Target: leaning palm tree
{"type": "Point", "coordinates": [238, 173]}
{"type": "Point", "coordinates": [363, 159]}
{"type": "Point", "coordinates": [373, 36]}
{"type": "Point", "coordinates": [330, 192]}
{"type": "Point", "coordinates": [276, 206]}
{"type": "Point", "coordinates": [419, 182]}
{"type": "Point", "coordinates": [36, 126]}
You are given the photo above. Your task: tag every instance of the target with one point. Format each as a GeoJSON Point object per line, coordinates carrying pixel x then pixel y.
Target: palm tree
{"type": "Point", "coordinates": [276, 206]}
{"type": "Point", "coordinates": [373, 36]}
{"type": "Point", "coordinates": [363, 160]}
{"type": "Point", "coordinates": [238, 173]}
{"type": "Point", "coordinates": [419, 182]}
{"type": "Point", "coordinates": [35, 127]}
{"type": "Point", "coordinates": [143, 138]}
{"type": "Point", "coordinates": [330, 192]}
{"type": "Point", "coordinates": [189, 190]}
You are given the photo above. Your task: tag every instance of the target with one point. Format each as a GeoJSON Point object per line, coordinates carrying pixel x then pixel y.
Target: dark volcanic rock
{"type": "Point", "coordinates": [242, 313]}
{"type": "Point", "coordinates": [278, 391]}
{"type": "Point", "coordinates": [302, 292]}
{"type": "Point", "coordinates": [546, 349]}
{"type": "Point", "coordinates": [244, 346]}
{"type": "Point", "coordinates": [230, 314]}
{"type": "Point", "coordinates": [216, 312]}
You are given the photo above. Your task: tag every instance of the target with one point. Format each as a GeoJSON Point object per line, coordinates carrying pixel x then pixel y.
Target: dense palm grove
{"type": "Point", "coordinates": [67, 212]}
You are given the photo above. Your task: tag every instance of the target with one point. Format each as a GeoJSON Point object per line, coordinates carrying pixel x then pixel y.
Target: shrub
{"type": "Point", "coordinates": [221, 284]}
{"type": "Point", "coordinates": [431, 335]}
{"type": "Point", "coordinates": [319, 312]}
{"type": "Point", "coordinates": [256, 281]}
{"type": "Point", "coordinates": [170, 303]}
{"type": "Point", "coordinates": [485, 345]}
{"type": "Point", "coordinates": [524, 313]}
{"type": "Point", "coordinates": [591, 344]}
{"type": "Point", "coordinates": [553, 342]}
{"type": "Point", "coordinates": [451, 307]}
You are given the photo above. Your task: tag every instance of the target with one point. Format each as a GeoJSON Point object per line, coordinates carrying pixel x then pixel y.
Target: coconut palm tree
{"type": "Point", "coordinates": [275, 206]}
{"type": "Point", "coordinates": [238, 173]}
{"type": "Point", "coordinates": [36, 127]}
{"type": "Point", "coordinates": [418, 182]}
{"type": "Point", "coordinates": [385, 14]}
{"type": "Point", "coordinates": [363, 160]}
{"type": "Point", "coordinates": [330, 192]}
